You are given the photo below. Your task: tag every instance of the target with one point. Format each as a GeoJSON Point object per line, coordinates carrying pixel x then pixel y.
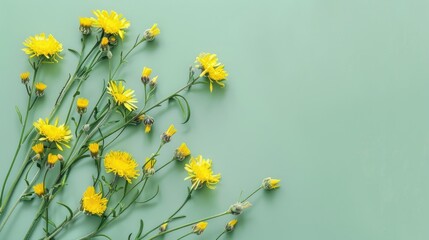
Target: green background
{"type": "Point", "coordinates": [330, 96]}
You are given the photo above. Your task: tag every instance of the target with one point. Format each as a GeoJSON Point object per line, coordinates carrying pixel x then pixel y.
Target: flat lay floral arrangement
{"type": "Point", "coordinates": [50, 146]}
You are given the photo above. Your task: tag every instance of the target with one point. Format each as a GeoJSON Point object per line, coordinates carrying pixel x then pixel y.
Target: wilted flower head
{"type": "Point", "coordinates": [121, 164]}
{"type": "Point", "coordinates": [41, 46]}
{"type": "Point", "coordinates": [111, 23]}
{"type": "Point", "coordinates": [58, 134]}
{"type": "Point", "coordinates": [199, 227]}
{"type": "Point", "coordinates": [151, 33]}
{"type": "Point", "coordinates": [93, 203]}
{"type": "Point", "coordinates": [238, 208]}
{"type": "Point", "coordinates": [269, 183]}
{"type": "Point", "coordinates": [39, 189]}
{"type": "Point", "coordinates": [149, 166]}
{"type": "Point", "coordinates": [200, 172]}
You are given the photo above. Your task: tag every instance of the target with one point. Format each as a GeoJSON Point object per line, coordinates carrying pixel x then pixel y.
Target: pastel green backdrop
{"type": "Point", "coordinates": [330, 96]}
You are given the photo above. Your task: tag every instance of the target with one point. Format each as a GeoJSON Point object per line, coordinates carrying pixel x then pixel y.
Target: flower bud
{"type": "Point", "coordinates": [149, 166]}
{"type": "Point", "coordinates": [151, 33]}
{"type": "Point", "coordinates": [163, 227]}
{"type": "Point", "coordinates": [238, 208]}
{"type": "Point", "coordinates": [25, 77]}
{"type": "Point", "coordinates": [182, 152]}
{"type": "Point", "coordinates": [85, 25]}
{"type": "Point", "coordinates": [104, 44]}
{"type": "Point", "coordinates": [153, 82]}
{"type": "Point", "coordinates": [86, 127]}
{"type": "Point", "coordinates": [60, 157]}
{"type": "Point", "coordinates": [52, 159]}
{"type": "Point", "coordinates": [40, 89]}
{"type": "Point", "coordinates": [199, 227]}
{"type": "Point", "coordinates": [82, 105]}
{"type": "Point", "coordinates": [166, 136]}
{"type": "Point", "coordinates": [269, 183]}
{"type": "Point", "coordinates": [94, 148]}
{"type": "Point", "coordinates": [231, 225]}
{"type": "Point", "coordinates": [148, 122]}
{"type": "Point", "coordinates": [39, 189]}
{"type": "Point", "coordinates": [145, 75]}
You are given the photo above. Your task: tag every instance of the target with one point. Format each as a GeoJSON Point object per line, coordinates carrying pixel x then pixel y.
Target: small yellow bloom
{"type": "Point", "coordinates": [270, 183]}
{"type": "Point", "coordinates": [59, 134]}
{"type": "Point", "coordinates": [39, 189]}
{"type": "Point", "coordinates": [40, 88]}
{"type": "Point", "coordinates": [148, 122]}
{"type": "Point", "coordinates": [121, 164]}
{"type": "Point", "coordinates": [52, 159]}
{"type": "Point", "coordinates": [153, 82]}
{"type": "Point", "coordinates": [38, 148]}
{"type": "Point", "coordinates": [111, 23]}
{"type": "Point", "coordinates": [145, 75]}
{"type": "Point", "coordinates": [199, 227]}
{"type": "Point", "coordinates": [166, 136]}
{"type": "Point", "coordinates": [163, 227]}
{"type": "Point", "coordinates": [200, 172]}
{"type": "Point", "coordinates": [231, 225]}
{"type": "Point", "coordinates": [212, 69]}
{"type": "Point", "coordinates": [85, 25]}
{"type": "Point", "coordinates": [86, 22]}
{"type": "Point", "coordinates": [93, 202]}
{"type": "Point", "coordinates": [149, 166]}
{"type": "Point", "coordinates": [40, 45]}
{"type": "Point", "coordinates": [122, 96]}
{"type": "Point", "coordinates": [182, 152]}
{"type": "Point", "coordinates": [104, 42]}
{"type": "Point", "coordinates": [82, 105]}
{"type": "Point", "coordinates": [151, 33]}
{"type": "Point", "coordinates": [94, 148]}
{"type": "Point", "coordinates": [25, 77]}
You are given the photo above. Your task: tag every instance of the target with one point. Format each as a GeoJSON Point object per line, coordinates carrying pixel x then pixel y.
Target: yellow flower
{"type": "Point", "coordinates": [86, 22]}
{"type": "Point", "coordinates": [149, 166]}
{"type": "Point", "coordinates": [270, 183]}
{"type": "Point", "coordinates": [93, 202]}
{"type": "Point", "coordinates": [199, 227]}
{"type": "Point", "coordinates": [82, 105]}
{"type": "Point", "coordinates": [163, 227]}
{"type": "Point", "coordinates": [52, 159]}
{"type": "Point", "coordinates": [153, 81]}
{"type": "Point", "coordinates": [166, 136]}
{"type": "Point", "coordinates": [212, 69]}
{"type": "Point", "coordinates": [111, 23]}
{"type": "Point", "coordinates": [148, 122]}
{"type": "Point", "coordinates": [122, 96]}
{"type": "Point", "coordinates": [25, 77]}
{"type": "Point", "coordinates": [104, 42]}
{"type": "Point", "coordinates": [38, 148]}
{"type": "Point", "coordinates": [151, 33]}
{"type": "Point", "coordinates": [40, 88]}
{"type": "Point", "coordinates": [182, 152]}
{"type": "Point", "coordinates": [200, 172]}
{"type": "Point", "coordinates": [231, 225]}
{"type": "Point", "coordinates": [121, 164]}
{"type": "Point", "coordinates": [59, 134]}
{"type": "Point", "coordinates": [145, 75]}
{"type": "Point", "coordinates": [39, 189]}
{"type": "Point", "coordinates": [40, 45]}
{"type": "Point", "coordinates": [94, 148]}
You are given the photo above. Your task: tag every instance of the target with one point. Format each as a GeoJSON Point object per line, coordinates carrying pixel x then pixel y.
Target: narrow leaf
{"type": "Point", "coordinates": [19, 114]}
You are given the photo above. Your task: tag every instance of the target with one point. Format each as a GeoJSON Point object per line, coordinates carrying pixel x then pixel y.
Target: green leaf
{"type": "Point", "coordinates": [19, 114]}
{"type": "Point", "coordinates": [67, 207]}
{"type": "Point", "coordinates": [103, 235]}
{"type": "Point", "coordinates": [152, 197]}
{"type": "Point", "coordinates": [188, 108]}
{"type": "Point", "coordinates": [139, 233]}
{"type": "Point", "coordinates": [74, 51]}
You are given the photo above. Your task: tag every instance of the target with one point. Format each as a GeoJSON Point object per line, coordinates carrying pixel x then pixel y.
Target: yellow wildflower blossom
{"type": "Point", "coordinates": [52, 159]}
{"type": "Point", "coordinates": [200, 172]}
{"type": "Point", "coordinates": [182, 152]}
{"type": "Point", "coordinates": [270, 183]}
{"type": "Point", "coordinates": [25, 77]}
{"type": "Point", "coordinates": [151, 33]}
{"type": "Point", "coordinates": [94, 148]}
{"type": "Point", "coordinates": [206, 62]}
{"type": "Point", "coordinates": [122, 96]}
{"type": "Point", "coordinates": [111, 23]}
{"type": "Point", "coordinates": [199, 227]}
{"type": "Point", "coordinates": [212, 69]}
{"type": "Point", "coordinates": [149, 166]}
{"type": "Point", "coordinates": [145, 75]}
{"type": "Point", "coordinates": [38, 148]}
{"type": "Point", "coordinates": [121, 164]}
{"type": "Point", "coordinates": [39, 189]}
{"type": "Point", "coordinates": [93, 202]}
{"type": "Point", "coordinates": [58, 134]}
{"type": "Point", "coordinates": [85, 25]}
{"type": "Point", "coordinates": [82, 105]}
{"type": "Point", "coordinates": [40, 45]}
{"type": "Point", "coordinates": [40, 88]}
{"type": "Point", "coordinates": [231, 225]}
{"type": "Point", "coordinates": [166, 136]}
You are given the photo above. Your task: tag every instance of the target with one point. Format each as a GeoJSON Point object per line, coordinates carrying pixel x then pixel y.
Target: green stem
{"type": "Point", "coordinates": [257, 190]}
{"type": "Point", "coordinates": [165, 164]}
{"type": "Point", "coordinates": [189, 224]}
{"type": "Point", "coordinates": [220, 235]}
{"type": "Point", "coordinates": [63, 224]}
{"type": "Point", "coordinates": [182, 237]}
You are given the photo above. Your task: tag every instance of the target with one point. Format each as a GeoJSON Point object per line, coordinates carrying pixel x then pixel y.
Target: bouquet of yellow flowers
{"type": "Point", "coordinates": [53, 144]}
